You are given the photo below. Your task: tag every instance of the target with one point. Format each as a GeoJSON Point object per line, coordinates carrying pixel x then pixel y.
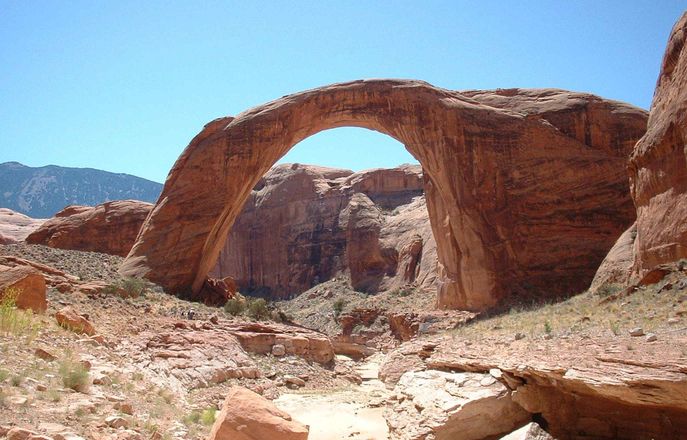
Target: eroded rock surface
{"type": "Point", "coordinates": [658, 166]}
{"type": "Point", "coordinates": [303, 225]}
{"type": "Point", "coordinates": [110, 228]}
{"type": "Point", "coordinates": [15, 226]}
{"type": "Point", "coordinates": [26, 285]}
{"type": "Point", "coordinates": [526, 189]}
{"type": "Point", "coordinates": [615, 270]}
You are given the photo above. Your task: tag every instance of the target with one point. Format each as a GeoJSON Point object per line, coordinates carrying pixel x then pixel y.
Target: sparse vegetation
{"type": "Point", "coordinates": [548, 329]}
{"type": "Point", "coordinates": [608, 290]}
{"type": "Point", "coordinates": [14, 321]}
{"type": "Point", "coordinates": [4, 374]}
{"type": "Point", "coordinates": [74, 374]}
{"type": "Point", "coordinates": [235, 306]}
{"type": "Point", "coordinates": [338, 306]}
{"type": "Point", "coordinates": [207, 417]}
{"type": "Point", "coordinates": [257, 309]}
{"type": "Point", "coordinates": [129, 287]}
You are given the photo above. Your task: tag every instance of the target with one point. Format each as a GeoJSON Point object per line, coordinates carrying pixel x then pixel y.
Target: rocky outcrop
{"type": "Point", "coordinates": [15, 226]}
{"type": "Point", "coordinates": [526, 189]}
{"type": "Point", "coordinates": [246, 415]}
{"type": "Point", "coordinates": [531, 431]}
{"type": "Point", "coordinates": [658, 166]}
{"type": "Point", "coordinates": [110, 228]}
{"type": "Point", "coordinates": [304, 224]}
{"type": "Point", "coordinates": [577, 387]}
{"type": "Point", "coordinates": [615, 271]}
{"type": "Point", "coordinates": [26, 285]}
{"type": "Point", "coordinates": [68, 318]}
{"type": "Point", "coordinates": [441, 405]}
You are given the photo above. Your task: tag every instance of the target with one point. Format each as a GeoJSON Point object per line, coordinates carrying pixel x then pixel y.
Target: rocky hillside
{"type": "Point", "coordinates": [43, 191]}
{"type": "Point", "coordinates": [304, 225]}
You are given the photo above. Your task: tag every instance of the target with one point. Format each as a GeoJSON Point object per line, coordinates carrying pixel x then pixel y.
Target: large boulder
{"type": "Point", "coordinates": [110, 228]}
{"type": "Point", "coordinates": [246, 415]}
{"type": "Point", "coordinates": [615, 271]}
{"type": "Point", "coordinates": [658, 166]}
{"type": "Point", "coordinates": [296, 231]}
{"type": "Point", "coordinates": [440, 405]}
{"type": "Point", "coordinates": [27, 283]}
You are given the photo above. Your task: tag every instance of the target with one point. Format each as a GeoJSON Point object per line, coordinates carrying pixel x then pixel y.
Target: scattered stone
{"type": "Point", "coordinates": [246, 415]}
{"type": "Point", "coordinates": [637, 331]}
{"type": "Point", "coordinates": [19, 434]}
{"type": "Point", "coordinates": [102, 379]}
{"type": "Point", "coordinates": [672, 321]}
{"type": "Point", "coordinates": [116, 422]}
{"type": "Point", "coordinates": [651, 337]}
{"type": "Point", "coordinates": [293, 380]}
{"type": "Point", "coordinates": [44, 354]}
{"type": "Point", "coordinates": [69, 319]}
{"type": "Point", "coordinates": [519, 336]}
{"type": "Point", "coordinates": [278, 350]}
{"type": "Point", "coordinates": [124, 407]}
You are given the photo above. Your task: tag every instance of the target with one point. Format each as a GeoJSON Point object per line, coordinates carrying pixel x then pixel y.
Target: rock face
{"type": "Point", "coordinates": [526, 189]}
{"type": "Point", "coordinates": [27, 283]}
{"type": "Point", "coordinates": [304, 224]}
{"type": "Point", "coordinates": [14, 226]}
{"type": "Point", "coordinates": [616, 269]}
{"type": "Point", "coordinates": [110, 228]}
{"type": "Point", "coordinates": [443, 406]}
{"type": "Point", "coordinates": [658, 166]}
{"type": "Point", "coordinates": [246, 415]}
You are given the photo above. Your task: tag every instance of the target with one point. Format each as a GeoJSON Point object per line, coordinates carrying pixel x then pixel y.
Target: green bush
{"type": "Point", "coordinates": [15, 321]}
{"type": "Point", "coordinates": [74, 374]}
{"type": "Point", "coordinates": [338, 306]}
{"type": "Point", "coordinates": [235, 306]}
{"type": "Point", "coordinates": [207, 417]}
{"type": "Point", "coordinates": [257, 309]}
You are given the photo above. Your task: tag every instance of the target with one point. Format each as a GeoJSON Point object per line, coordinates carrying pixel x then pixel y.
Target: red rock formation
{"type": "Point", "coordinates": [526, 189]}
{"type": "Point", "coordinates": [293, 232]}
{"type": "Point", "coordinates": [27, 284]}
{"type": "Point", "coordinates": [14, 226]}
{"type": "Point", "coordinates": [246, 415]}
{"type": "Point", "coordinates": [110, 228]}
{"type": "Point", "coordinates": [658, 166]}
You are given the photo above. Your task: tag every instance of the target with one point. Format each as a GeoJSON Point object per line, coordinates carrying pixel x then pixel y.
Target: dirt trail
{"type": "Point", "coordinates": [355, 413]}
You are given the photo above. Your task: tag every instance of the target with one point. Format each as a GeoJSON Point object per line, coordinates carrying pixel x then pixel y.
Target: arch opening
{"type": "Point", "coordinates": [513, 180]}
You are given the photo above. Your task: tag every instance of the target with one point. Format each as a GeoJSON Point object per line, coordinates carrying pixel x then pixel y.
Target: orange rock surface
{"type": "Point", "coordinates": [526, 189]}
{"type": "Point", "coordinates": [27, 283]}
{"type": "Point", "coordinates": [110, 228]}
{"type": "Point", "coordinates": [658, 167]}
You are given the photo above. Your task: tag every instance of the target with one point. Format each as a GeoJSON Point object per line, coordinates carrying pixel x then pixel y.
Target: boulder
{"type": "Point", "coordinates": [71, 320]}
{"type": "Point", "coordinates": [441, 405]}
{"type": "Point", "coordinates": [246, 415]}
{"type": "Point", "coordinates": [616, 269]}
{"type": "Point", "coordinates": [27, 283]}
{"type": "Point", "coordinates": [531, 431]}
{"type": "Point", "coordinates": [658, 165]}
{"type": "Point", "coordinates": [110, 228]}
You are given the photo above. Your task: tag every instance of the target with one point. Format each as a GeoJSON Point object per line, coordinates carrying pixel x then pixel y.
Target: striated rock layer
{"type": "Point", "coordinates": [304, 224]}
{"type": "Point", "coordinates": [110, 228]}
{"type": "Point", "coordinates": [658, 167]}
{"type": "Point", "coordinates": [526, 189]}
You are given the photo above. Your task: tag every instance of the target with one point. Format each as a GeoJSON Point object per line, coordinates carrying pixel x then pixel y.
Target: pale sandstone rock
{"type": "Point", "coordinates": [116, 422]}
{"type": "Point", "coordinates": [28, 284]}
{"type": "Point", "coordinates": [246, 415]}
{"type": "Point", "coordinates": [531, 431]}
{"type": "Point", "coordinates": [68, 318]}
{"type": "Point", "coordinates": [526, 189]}
{"type": "Point", "coordinates": [441, 406]}
{"type": "Point", "coordinates": [110, 228]}
{"type": "Point", "coordinates": [19, 434]}
{"type": "Point", "coordinates": [15, 226]}
{"type": "Point", "coordinates": [658, 166]}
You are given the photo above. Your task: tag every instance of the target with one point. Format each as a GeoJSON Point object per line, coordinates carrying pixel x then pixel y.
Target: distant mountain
{"type": "Point", "coordinates": [41, 192]}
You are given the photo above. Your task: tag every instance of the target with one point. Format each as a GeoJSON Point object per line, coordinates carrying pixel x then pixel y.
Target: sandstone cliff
{"type": "Point", "coordinates": [304, 224]}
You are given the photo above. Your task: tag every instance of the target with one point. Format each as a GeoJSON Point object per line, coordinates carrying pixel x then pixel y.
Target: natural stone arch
{"type": "Point", "coordinates": [494, 163]}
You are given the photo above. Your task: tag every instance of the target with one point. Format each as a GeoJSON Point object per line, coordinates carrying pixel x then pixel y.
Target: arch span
{"type": "Point", "coordinates": [526, 189]}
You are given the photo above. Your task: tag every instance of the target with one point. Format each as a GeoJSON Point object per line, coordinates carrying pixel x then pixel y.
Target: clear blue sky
{"type": "Point", "coordinates": [124, 85]}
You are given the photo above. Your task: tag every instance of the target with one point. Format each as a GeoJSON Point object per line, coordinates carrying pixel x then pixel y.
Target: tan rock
{"type": "Point", "coordinates": [246, 415]}
{"type": "Point", "coordinates": [27, 284]}
{"type": "Point", "coordinates": [17, 433]}
{"type": "Point", "coordinates": [109, 228]}
{"type": "Point", "coordinates": [71, 320]}
{"type": "Point", "coordinates": [53, 277]}
{"type": "Point", "coordinates": [116, 422]}
{"type": "Point", "coordinates": [44, 354]}
{"type": "Point", "coordinates": [658, 166]}
{"type": "Point", "coordinates": [531, 431]}
{"type": "Point", "coordinates": [15, 226]}
{"type": "Point", "coordinates": [616, 269]}
{"type": "Point", "coordinates": [442, 406]}
{"type": "Point", "coordinates": [495, 163]}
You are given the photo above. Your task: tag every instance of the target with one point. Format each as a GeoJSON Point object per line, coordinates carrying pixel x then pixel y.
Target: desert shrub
{"type": "Point", "coordinates": [15, 321]}
{"type": "Point", "coordinates": [4, 374]}
{"type": "Point", "coordinates": [192, 417]}
{"type": "Point", "coordinates": [207, 417]}
{"type": "Point", "coordinates": [338, 306]}
{"type": "Point", "coordinates": [74, 374]}
{"type": "Point", "coordinates": [547, 327]}
{"type": "Point", "coordinates": [257, 309]}
{"type": "Point", "coordinates": [129, 287]}
{"type": "Point", "coordinates": [608, 290]}
{"type": "Point", "coordinates": [235, 306]}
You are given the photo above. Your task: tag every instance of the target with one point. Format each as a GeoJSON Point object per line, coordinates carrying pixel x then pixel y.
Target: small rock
{"type": "Point", "coordinates": [637, 331]}
{"type": "Point", "coordinates": [64, 287]}
{"type": "Point", "coordinates": [214, 319]}
{"type": "Point", "coordinates": [278, 350]}
{"type": "Point", "coordinates": [673, 321]}
{"type": "Point", "coordinates": [18, 400]}
{"type": "Point", "coordinates": [651, 337]}
{"type": "Point", "coordinates": [128, 434]}
{"type": "Point", "coordinates": [19, 434]}
{"type": "Point", "coordinates": [125, 407]}
{"type": "Point", "coordinates": [67, 436]}
{"type": "Point", "coordinates": [102, 379]}
{"type": "Point", "coordinates": [41, 387]}
{"type": "Point", "coordinates": [293, 380]}
{"type": "Point", "coordinates": [69, 319]}
{"type": "Point", "coordinates": [496, 373]}
{"type": "Point", "coordinates": [519, 336]}
{"type": "Point", "coordinates": [44, 354]}
{"type": "Point", "coordinates": [116, 422]}
{"type": "Point", "coordinates": [4, 430]}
